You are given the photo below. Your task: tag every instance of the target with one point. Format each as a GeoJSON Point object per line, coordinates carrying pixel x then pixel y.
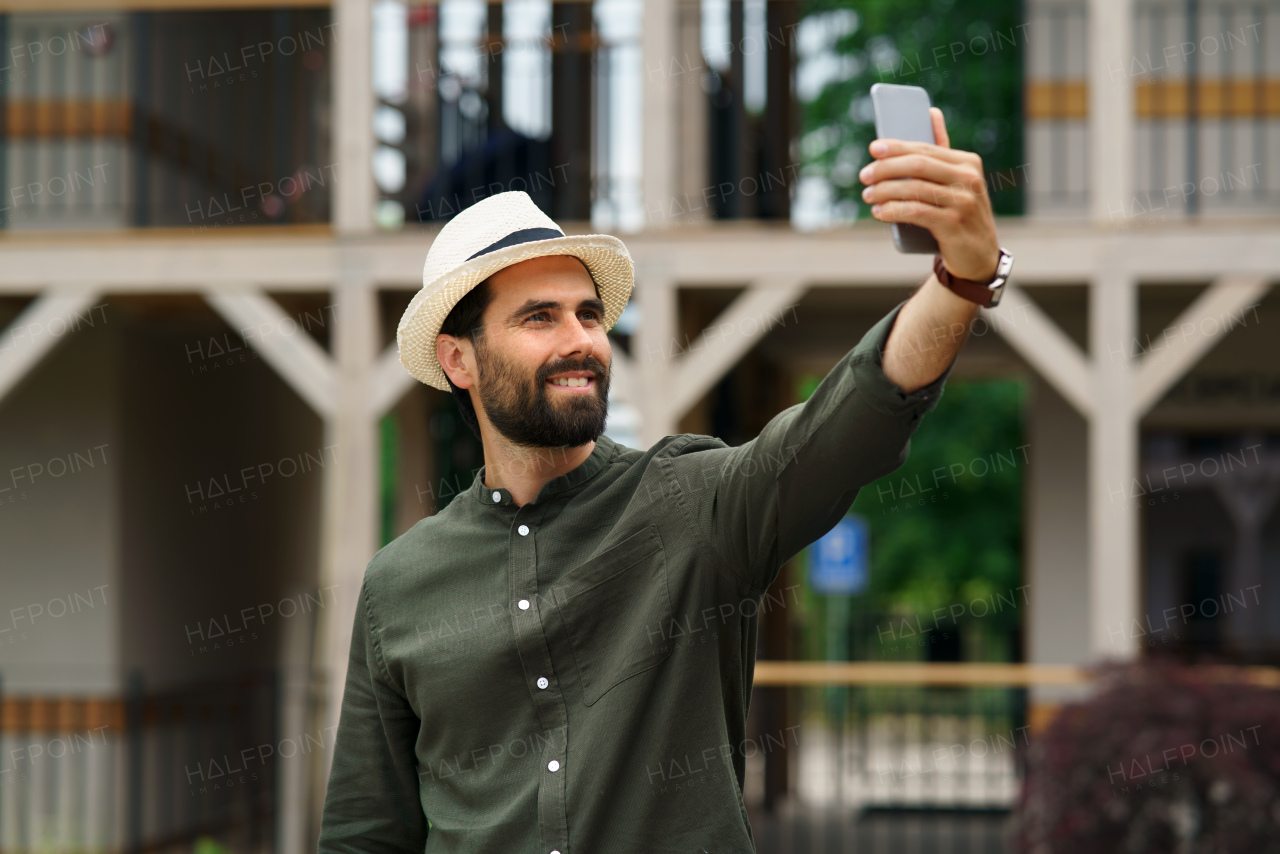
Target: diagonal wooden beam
{"type": "Point", "coordinates": [39, 328]}
{"type": "Point", "coordinates": [389, 382]}
{"type": "Point", "coordinates": [1044, 346]}
{"type": "Point", "coordinates": [1195, 332]}
{"type": "Point", "coordinates": [733, 332]}
{"type": "Point", "coordinates": [293, 354]}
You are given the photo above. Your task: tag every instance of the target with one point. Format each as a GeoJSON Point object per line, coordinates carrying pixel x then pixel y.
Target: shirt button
{"type": "Point", "coordinates": [497, 496]}
{"type": "Point", "coordinates": [523, 529]}
{"type": "Point", "coordinates": [553, 765]}
{"type": "Point", "coordinates": [524, 604]}
{"type": "Point", "coordinates": [542, 682]}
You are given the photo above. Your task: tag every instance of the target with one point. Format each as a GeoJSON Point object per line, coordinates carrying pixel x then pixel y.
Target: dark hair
{"type": "Point", "coordinates": [464, 322]}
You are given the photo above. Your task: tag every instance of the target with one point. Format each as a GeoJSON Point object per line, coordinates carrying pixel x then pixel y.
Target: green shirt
{"type": "Point", "coordinates": [573, 675]}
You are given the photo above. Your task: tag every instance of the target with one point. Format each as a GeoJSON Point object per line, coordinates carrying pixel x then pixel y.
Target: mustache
{"type": "Point", "coordinates": [593, 365]}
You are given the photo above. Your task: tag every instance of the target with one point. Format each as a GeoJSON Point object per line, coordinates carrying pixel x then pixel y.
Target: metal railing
{"type": "Point", "coordinates": [188, 119]}
{"type": "Point", "coordinates": [899, 757]}
{"type": "Point", "coordinates": [149, 770]}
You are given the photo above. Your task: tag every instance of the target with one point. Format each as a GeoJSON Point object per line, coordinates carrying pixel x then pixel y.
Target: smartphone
{"type": "Point", "coordinates": [902, 112]}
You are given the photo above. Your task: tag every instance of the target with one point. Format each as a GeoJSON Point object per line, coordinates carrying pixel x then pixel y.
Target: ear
{"type": "Point", "coordinates": [454, 359]}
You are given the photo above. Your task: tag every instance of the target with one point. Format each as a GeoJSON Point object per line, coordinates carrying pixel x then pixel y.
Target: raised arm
{"type": "Point", "coordinates": [945, 191]}
{"type": "Point", "coordinates": [758, 504]}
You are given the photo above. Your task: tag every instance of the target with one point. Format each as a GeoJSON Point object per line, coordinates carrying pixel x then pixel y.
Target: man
{"type": "Point", "coordinates": [561, 659]}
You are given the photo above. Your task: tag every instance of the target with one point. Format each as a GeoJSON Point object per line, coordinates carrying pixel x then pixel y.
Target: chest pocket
{"type": "Point", "coordinates": [617, 612]}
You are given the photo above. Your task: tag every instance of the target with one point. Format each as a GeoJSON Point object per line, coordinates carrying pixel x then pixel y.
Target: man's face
{"type": "Point", "coordinates": [545, 321]}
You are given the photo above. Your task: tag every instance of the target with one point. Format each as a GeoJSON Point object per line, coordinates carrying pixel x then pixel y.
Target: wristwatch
{"type": "Point", "coordinates": [985, 294]}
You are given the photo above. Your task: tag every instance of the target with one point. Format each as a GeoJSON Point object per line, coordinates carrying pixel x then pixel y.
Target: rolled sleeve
{"type": "Point", "coordinates": [760, 503]}
{"type": "Point", "coordinates": [882, 393]}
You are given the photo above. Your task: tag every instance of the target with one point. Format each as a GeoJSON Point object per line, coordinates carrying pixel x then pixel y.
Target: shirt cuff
{"type": "Point", "coordinates": [882, 393]}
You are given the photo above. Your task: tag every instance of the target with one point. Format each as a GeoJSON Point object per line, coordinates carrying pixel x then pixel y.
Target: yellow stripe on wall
{"type": "Point", "coordinates": [58, 715]}
{"type": "Point", "coordinates": [1056, 99]}
{"type": "Point", "coordinates": [1228, 97]}
{"type": "Point", "coordinates": [1223, 98]}
{"type": "Point", "coordinates": [61, 119]}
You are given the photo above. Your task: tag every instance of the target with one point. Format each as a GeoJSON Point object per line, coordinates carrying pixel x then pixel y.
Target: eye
{"type": "Point", "coordinates": [592, 313]}
{"type": "Point", "coordinates": [537, 314]}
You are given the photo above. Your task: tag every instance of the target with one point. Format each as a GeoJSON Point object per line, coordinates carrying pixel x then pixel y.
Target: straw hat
{"type": "Point", "coordinates": [495, 233]}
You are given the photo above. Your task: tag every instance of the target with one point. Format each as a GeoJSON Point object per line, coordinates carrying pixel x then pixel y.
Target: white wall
{"type": "Point", "coordinates": [1057, 570]}
{"type": "Point", "coordinates": [59, 528]}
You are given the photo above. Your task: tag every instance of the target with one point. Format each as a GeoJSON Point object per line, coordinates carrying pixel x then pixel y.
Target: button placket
{"type": "Point", "coordinates": [535, 657]}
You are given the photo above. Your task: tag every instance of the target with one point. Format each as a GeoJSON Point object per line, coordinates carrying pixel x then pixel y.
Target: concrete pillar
{"type": "Point", "coordinates": [652, 355]}
{"type": "Point", "coordinates": [1111, 122]}
{"type": "Point", "coordinates": [350, 513]}
{"type": "Point", "coordinates": [689, 181]}
{"type": "Point", "coordinates": [660, 159]}
{"type": "Point", "coordinates": [1114, 578]}
{"type": "Point", "coordinates": [291, 829]}
{"type": "Point", "coordinates": [354, 197]}
{"type": "Point", "coordinates": [1056, 555]}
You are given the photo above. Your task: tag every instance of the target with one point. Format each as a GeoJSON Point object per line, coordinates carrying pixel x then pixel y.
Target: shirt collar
{"type": "Point", "coordinates": [603, 452]}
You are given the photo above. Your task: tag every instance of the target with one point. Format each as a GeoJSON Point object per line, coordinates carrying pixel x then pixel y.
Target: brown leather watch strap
{"type": "Point", "coordinates": [978, 292]}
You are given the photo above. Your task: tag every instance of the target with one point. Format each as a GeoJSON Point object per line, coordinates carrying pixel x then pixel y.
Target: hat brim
{"type": "Point", "coordinates": [604, 255]}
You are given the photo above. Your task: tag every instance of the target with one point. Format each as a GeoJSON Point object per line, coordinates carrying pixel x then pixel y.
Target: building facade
{"type": "Point", "coordinates": [214, 218]}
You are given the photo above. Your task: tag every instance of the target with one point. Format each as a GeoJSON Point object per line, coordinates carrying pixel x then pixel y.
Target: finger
{"type": "Point", "coordinates": [909, 189]}
{"type": "Point", "coordinates": [883, 148]}
{"type": "Point", "coordinates": [913, 213]}
{"type": "Point", "coordinates": [919, 166]}
{"type": "Point", "coordinates": [940, 134]}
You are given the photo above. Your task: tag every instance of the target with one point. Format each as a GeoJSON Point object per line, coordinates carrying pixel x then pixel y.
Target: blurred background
{"type": "Point", "coordinates": [214, 214]}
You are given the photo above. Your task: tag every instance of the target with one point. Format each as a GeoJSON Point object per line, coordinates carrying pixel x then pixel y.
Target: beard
{"type": "Point", "coordinates": [519, 406]}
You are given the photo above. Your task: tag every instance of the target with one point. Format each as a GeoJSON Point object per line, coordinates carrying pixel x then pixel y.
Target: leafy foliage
{"type": "Point", "coordinates": [968, 54]}
{"type": "Point", "coordinates": [946, 530]}
{"type": "Point", "coordinates": [1162, 758]}
{"type": "Point", "coordinates": [946, 527]}
{"type": "Point", "coordinates": [969, 453]}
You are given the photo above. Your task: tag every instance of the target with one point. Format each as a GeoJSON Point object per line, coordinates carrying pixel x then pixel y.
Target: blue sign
{"type": "Point", "coordinates": [838, 561]}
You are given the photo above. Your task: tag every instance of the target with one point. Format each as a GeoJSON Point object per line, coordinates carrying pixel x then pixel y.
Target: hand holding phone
{"type": "Point", "coordinates": [902, 112]}
{"type": "Point", "coordinates": [943, 208]}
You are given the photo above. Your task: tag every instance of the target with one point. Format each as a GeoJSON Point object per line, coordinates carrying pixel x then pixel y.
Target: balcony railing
{"type": "Point", "coordinates": [195, 120]}
{"type": "Point", "coordinates": [206, 119]}
{"type": "Point", "coordinates": [1206, 89]}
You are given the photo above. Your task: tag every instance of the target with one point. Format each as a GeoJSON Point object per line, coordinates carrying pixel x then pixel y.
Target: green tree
{"type": "Point", "coordinates": [946, 530]}
{"type": "Point", "coordinates": [960, 542]}
{"type": "Point", "coordinates": [968, 54]}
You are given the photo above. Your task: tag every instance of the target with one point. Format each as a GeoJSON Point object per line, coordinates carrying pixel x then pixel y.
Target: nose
{"type": "Point", "coordinates": [577, 340]}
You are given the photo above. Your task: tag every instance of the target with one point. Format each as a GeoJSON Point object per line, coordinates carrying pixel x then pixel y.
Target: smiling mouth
{"type": "Point", "coordinates": [581, 385]}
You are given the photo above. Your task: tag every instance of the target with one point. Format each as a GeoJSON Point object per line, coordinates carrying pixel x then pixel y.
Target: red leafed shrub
{"type": "Point", "coordinates": [1162, 758]}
